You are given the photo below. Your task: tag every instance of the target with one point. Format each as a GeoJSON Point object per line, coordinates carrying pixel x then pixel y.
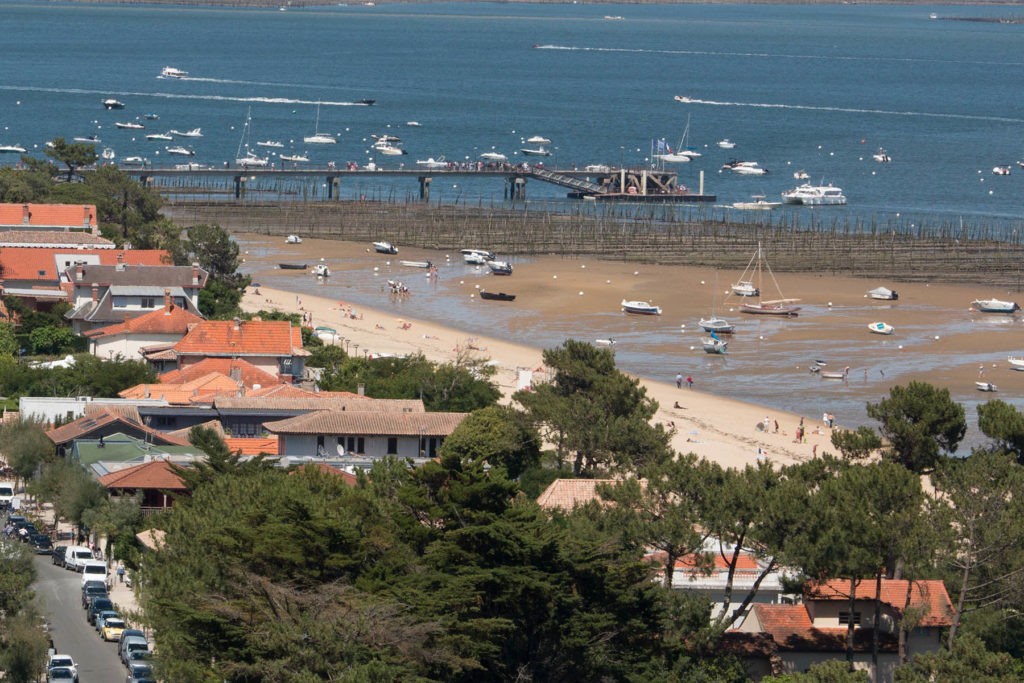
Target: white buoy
{"type": "Point", "coordinates": [830, 304]}
{"type": "Point", "coordinates": [584, 266]}
{"type": "Point", "coordinates": [376, 268]}
{"type": "Point", "coordinates": [683, 326]}
{"type": "Point", "coordinates": [702, 282]}
{"type": "Point", "coordinates": [936, 337]}
{"type": "Point", "coordinates": [607, 282]}
{"type": "Point", "coordinates": [476, 286]}
{"type": "Point", "coordinates": [462, 282]}
{"type": "Point", "coordinates": [472, 296]}
{"type": "Point", "coordinates": [761, 337]}
{"type": "Point", "coordinates": [901, 347]}
{"type": "Point", "coordinates": [581, 292]}
{"type": "Point", "coordinates": [554, 277]}
{"type": "Point", "coordinates": [691, 348]}
{"type": "Point", "coordinates": [636, 272]}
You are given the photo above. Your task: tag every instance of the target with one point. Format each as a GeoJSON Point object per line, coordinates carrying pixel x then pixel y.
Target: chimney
{"type": "Point", "coordinates": [120, 257]}
{"type": "Point", "coordinates": [119, 266]}
{"type": "Point", "coordinates": [235, 374]}
{"type": "Point", "coordinates": [238, 323]}
{"type": "Point", "coordinates": [78, 272]}
{"type": "Point", "coordinates": [195, 274]}
{"type": "Point", "coordinates": [147, 391]}
{"type": "Point", "coordinates": [361, 389]}
{"type": "Point", "coordinates": [95, 292]}
{"type": "Point", "coordinates": [167, 302]}
{"type": "Point", "coordinates": [26, 215]}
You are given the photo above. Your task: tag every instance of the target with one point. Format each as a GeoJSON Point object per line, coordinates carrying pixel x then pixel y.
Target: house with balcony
{"type": "Point", "coordinates": [103, 422]}
{"type": "Point", "coordinates": [272, 346]}
{"type": "Point", "coordinates": [165, 325]}
{"type": "Point", "coordinates": [154, 482]}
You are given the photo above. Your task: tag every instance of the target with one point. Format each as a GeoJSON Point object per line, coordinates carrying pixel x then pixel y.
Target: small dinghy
{"type": "Point", "coordinates": [610, 341]}
{"type": "Point", "coordinates": [497, 296]}
{"type": "Point", "coordinates": [640, 308]}
{"type": "Point", "coordinates": [835, 375]}
{"type": "Point", "coordinates": [321, 270]}
{"type": "Point", "coordinates": [986, 386]}
{"type": "Point", "coordinates": [416, 264]}
{"type": "Point", "coordinates": [881, 328]}
{"type": "Point", "coordinates": [1016, 363]}
{"type": "Point", "coordinates": [385, 248]}
{"type": "Point", "coordinates": [293, 266]}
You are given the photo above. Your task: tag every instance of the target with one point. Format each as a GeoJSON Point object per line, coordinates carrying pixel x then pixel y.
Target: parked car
{"type": "Point", "coordinates": [42, 544]}
{"type": "Point", "coordinates": [61, 674]}
{"type": "Point", "coordinates": [62, 661]}
{"type": "Point", "coordinates": [97, 605]}
{"type": "Point", "coordinates": [139, 673]}
{"type": "Point", "coordinates": [92, 590]}
{"type": "Point", "coordinates": [74, 555]}
{"type": "Point", "coordinates": [138, 656]}
{"type": "Point", "coordinates": [93, 570]}
{"type": "Point", "coordinates": [102, 616]}
{"type": "Point", "coordinates": [112, 628]}
{"type": "Point", "coordinates": [128, 633]}
{"type": "Point", "coordinates": [57, 556]}
{"type": "Point", "coordinates": [131, 644]}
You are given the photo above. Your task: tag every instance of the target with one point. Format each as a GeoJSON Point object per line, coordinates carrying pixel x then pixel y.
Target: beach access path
{"type": "Point", "coordinates": [723, 430]}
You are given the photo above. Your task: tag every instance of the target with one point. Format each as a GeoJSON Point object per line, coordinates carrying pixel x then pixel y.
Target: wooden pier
{"type": "Point", "coordinates": [607, 184]}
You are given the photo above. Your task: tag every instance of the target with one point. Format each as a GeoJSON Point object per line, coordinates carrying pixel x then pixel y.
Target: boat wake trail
{"type": "Point", "coordinates": [179, 96]}
{"type": "Point", "coordinates": [854, 110]}
{"type": "Point", "coordinates": [783, 55]}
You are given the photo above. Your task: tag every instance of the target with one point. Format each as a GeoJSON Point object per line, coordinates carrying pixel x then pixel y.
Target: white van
{"type": "Point", "coordinates": [6, 494]}
{"type": "Point", "coordinates": [94, 570]}
{"type": "Point", "coordinates": [75, 555]}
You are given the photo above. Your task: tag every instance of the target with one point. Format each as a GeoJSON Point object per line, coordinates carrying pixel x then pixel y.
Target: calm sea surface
{"type": "Point", "coordinates": [797, 88]}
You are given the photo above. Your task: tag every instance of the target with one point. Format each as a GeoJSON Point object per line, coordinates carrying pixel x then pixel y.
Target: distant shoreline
{"type": "Point", "coordinates": [269, 4]}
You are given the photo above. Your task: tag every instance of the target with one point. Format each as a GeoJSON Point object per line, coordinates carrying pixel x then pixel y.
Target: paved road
{"type": "Point", "coordinates": [60, 593]}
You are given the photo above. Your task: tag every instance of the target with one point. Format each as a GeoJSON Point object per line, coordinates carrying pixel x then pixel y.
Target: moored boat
{"type": "Point", "coordinates": [814, 195]}
{"type": "Point", "coordinates": [500, 267]}
{"type": "Point", "coordinates": [293, 239]}
{"type": "Point", "coordinates": [293, 266]}
{"type": "Point", "coordinates": [385, 248]}
{"type": "Point", "coordinates": [713, 344]}
{"type": "Point", "coordinates": [881, 328]}
{"type": "Point", "coordinates": [111, 103]}
{"type": "Point", "coordinates": [159, 136]}
{"type": "Point", "coordinates": [881, 156]}
{"type": "Point", "coordinates": [1001, 170]}
{"type": "Point", "coordinates": [986, 386]}
{"type": "Point", "coordinates": [131, 125]}
{"type": "Point", "coordinates": [194, 133]}
{"type": "Point", "coordinates": [295, 158]}
{"type": "Point", "coordinates": [842, 374]}
{"type": "Point", "coordinates": [883, 294]}
{"type": "Point", "coordinates": [994, 306]}
{"type": "Point", "coordinates": [535, 151]}
{"type": "Point", "coordinates": [476, 257]}
{"type": "Point", "coordinates": [777, 307]}
{"type": "Point", "coordinates": [726, 144]}
{"type": "Point", "coordinates": [497, 296]}
{"type": "Point", "coordinates": [718, 325]}
{"type": "Point", "coordinates": [744, 167]}
{"type": "Point", "coordinates": [759, 203]}
{"type": "Point", "coordinates": [12, 149]}
{"type": "Point", "coordinates": [640, 308]}
{"type": "Point", "coordinates": [181, 151]}
{"type": "Point", "coordinates": [321, 270]}
{"type": "Point", "coordinates": [416, 264]}
{"type": "Point", "coordinates": [745, 288]}
{"type": "Point", "coordinates": [88, 139]}
{"type": "Point", "coordinates": [1016, 363]}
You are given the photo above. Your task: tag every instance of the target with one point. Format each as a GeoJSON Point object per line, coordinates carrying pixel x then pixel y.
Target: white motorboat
{"type": "Point", "coordinates": [881, 156]}
{"type": "Point", "coordinates": [296, 158]}
{"type": "Point", "coordinates": [194, 133]}
{"type": "Point", "coordinates": [133, 161]}
{"type": "Point", "coordinates": [476, 257]}
{"type": "Point", "coordinates": [717, 325]}
{"type": "Point", "coordinates": [842, 374]}
{"type": "Point", "coordinates": [131, 125]}
{"type": "Point", "coordinates": [159, 136]}
{"type": "Point", "coordinates": [416, 264]}
{"type": "Point", "coordinates": [745, 288]}
{"type": "Point", "coordinates": [994, 306]}
{"type": "Point", "coordinates": [801, 175]}
{"type": "Point", "coordinates": [152, 117]}
{"type": "Point", "coordinates": [986, 386]}
{"type": "Point", "coordinates": [683, 98]}
{"type": "Point", "coordinates": [883, 294]}
{"type": "Point", "coordinates": [1016, 363]}
{"type": "Point", "coordinates": [190, 166]}
{"type": "Point", "coordinates": [881, 328]}
{"type": "Point", "coordinates": [432, 162]}
{"type": "Point", "coordinates": [493, 156]}
{"type": "Point", "coordinates": [726, 144]}
{"type": "Point", "coordinates": [321, 270]}
{"type": "Point", "coordinates": [776, 307]}
{"type": "Point", "coordinates": [113, 104]}
{"type": "Point", "coordinates": [640, 308]}
{"type": "Point", "coordinates": [89, 140]}
{"type": "Point", "coordinates": [713, 344]}
{"type": "Point", "coordinates": [760, 203]}
{"type": "Point", "coordinates": [500, 267]}
{"type": "Point", "coordinates": [270, 143]}
{"type": "Point", "coordinates": [535, 152]}
{"type": "Point", "coordinates": [293, 239]}
{"type": "Point", "coordinates": [318, 138]}
{"type": "Point", "coordinates": [745, 167]}
{"type": "Point", "coordinates": [597, 168]}
{"type": "Point", "coordinates": [610, 341]}
{"type": "Point", "coordinates": [1001, 170]}
{"type": "Point", "coordinates": [252, 160]}
{"type": "Point", "coordinates": [171, 72]}
{"type": "Point", "coordinates": [387, 149]}
{"type": "Point", "coordinates": [681, 155]}
{"type": "Point", "coordinates": [413, 124]}
{"type": "Point", "coordinates": [814, 195]}
{"type": "Point", "coordinates": [12, 149]}
{"type": "Point", "coordinates": [385, 248]}
{"type": "Point", "coordinates": [107, 153]}
{"type": "Point", "coordinates": [181, 151]}
{"type": "Point", "coordinates": [538, 140]}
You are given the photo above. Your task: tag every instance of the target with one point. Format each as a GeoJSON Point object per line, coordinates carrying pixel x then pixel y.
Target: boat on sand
{"type": "Point", "coordinates": [777, 307]}
{"type": "Point", "coordinates": [640, 308]}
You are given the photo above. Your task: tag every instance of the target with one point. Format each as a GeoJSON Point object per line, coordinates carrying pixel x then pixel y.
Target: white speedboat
{"type": "Point", "coordinates": [413, 124]}
{"type": "Point", "coordinates": [12, 149]}
{"type": "Point", "coordinates": [986, 386]}
{"type": "Point", "coordinates": [493, 156]}
{"type": "Point", "coordinates": [683, 98]}
{"type": "Point", "coordinates": [386, 138]}
{"type": "Point", "coordinates": [883, 294]}
{"type": "Point", "coordinates": [194, 133]}
{"type": "Point", "coordinates": [717, 325]}
{"type": "Point", "coordinates": [881, 328]}
{"type": "Point", "coordinates": [760, 203]}
{"type": "Point", "coordinates": [181, 151]}
{"type": "Point", "coordinates": [152, 117]}
{"type": "Point", "coordinates": [1016, 363]}
{"type": "Point", "coordinates": [640, 308]}
{"type": "Point", "coordinates": [535, 151]}
{"type": "Point", "coordinates": [881, 156]}
{"type": "Point", "coordinates": [190, 166]}
{"type": "Point", "coordinates": [476, 257]}
{"type": "Point", "coordinates": [133, 161]}
{"type": "Point", "coordinates": [745, 168]}
{"type": "Point", "coordinates": [131, 125]}
{"type": "Point", "coordinates": [252, 160]}
{"type": "Point", "coordinates": [171, 72]}
{"type": "Point", "coordinates": [994, 306]}
{"type": "Point", "coordinates": [159, 136]}
{"type": "Point", "coordinates": [432, 162]}
{"type": "Point", "coordinates": [1001, 170]}
{"type": "Point", "coordinates": [321, 270]}
{"type": "Point", "coordinates": [745, 288]}
{"type": "Point", "coordinates": [801, 175]}
{"type": "Point", "coordinates": [113, 104]}
{"type": "Point", "coordinates": [387, 149]}
{"type": "Point", "coordinates": [293, 239]}
{"type": "Point", "coordinates": [270, 143]}
{"type": "Point", "coordinates": [383, 247]}
{"type": "Point", "coordinates": [538, 140]}
{"type": "Point", "coordinates": [726, 144]}
{"type": "Point", "coordinates": [500, 267]}
{"type": "Point", "coordinates": [831, 374]}
{"type": "Point", "coordinates": [108, 153]}
{"type": "Point", "coordinates": [814, 195]}
{"type": "Point", "coordinates": [416, 264]}
{"type": "Point", "coordinates": [89, 140]}
{"type": "Point", "coordinates": [296, 158]}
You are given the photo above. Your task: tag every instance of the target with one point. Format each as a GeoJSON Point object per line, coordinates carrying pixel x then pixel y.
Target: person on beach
{"type": "Point", "coordinates": [679, 381]}
{"type": "Point", "coordinates": [776, 427]}
{"type": "Point", "coordinates": [689, 382]}
{"type": "Point", "coordinates": [766, 424]}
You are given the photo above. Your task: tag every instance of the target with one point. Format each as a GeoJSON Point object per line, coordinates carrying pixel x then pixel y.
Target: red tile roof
{"type": "Point", "coordinates": [368, 423]}
{"type": "Point", "coordinates": [790, 627]}
{"type": "Point", "coordinates": [201, 390]}
{"type": "Point", "coordinates": [322, 400]}
{"type": "Point", "coordinates": [249, 337]}
{"type": "Point", "coordinates": [347, 477]}
{"type": "Point", "coordinates": [150, 475]}
{"type": "Point", "coordinates": [175, 320]}
{"type": "Point", "coordinates": [53, 238]}
{"type": "Point", "coordinates": [69, 215]}
{"type": "Point", "coordinates": [745, 562]}
{"type": "Point", "coordinates": [83, 426]}
{"type": "Point", "coordinates": [930, 594]}
{"type": "Point", "coordinates": [565, 494]}
{"type": "Point", "coordinates": [248, 374]}
{"type": "Point", "coordinates": [291, 391]}
{"type": "Point", "coordinates": [252, 446]}
{"type": "Point", "coordinates": [26, 263]}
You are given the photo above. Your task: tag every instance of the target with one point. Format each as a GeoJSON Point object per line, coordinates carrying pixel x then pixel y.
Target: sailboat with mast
{"type": "Point", "coordinates": [251, 159]}
{"type": "Point", "coordinates": [713, 323]}
{"type": "Point", "coordinates": [318, 138]}
{"type": "Point", "coordinates": [682, 154]}
{"type": "Point", "coordinates": [780, 306]}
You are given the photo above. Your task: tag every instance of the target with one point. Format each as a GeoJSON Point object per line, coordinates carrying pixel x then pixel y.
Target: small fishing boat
{"type": "Point", "coordinates": [881, 156]}
{"type": "Point", "coordinates": [994, 306]}
{"type": "Point", "coordinates": [820, 363]}
{"type": "Point", "coordinates": [1001, 170]}
{"type": "Point", "coordinates": [881, 328]}
{"type": "Point", "coordinates": [416, 264]}
{"type": "Point", "coordinates": [843, 374]}
{"type": "Point", "coordinates": [610, 341]}
{"type": "Point", "coordinates": [745, 288]}
{"type": "Point", "coordinates": [12, 149]}
{"type": "Point", "coordinates": [500, 267]}
{"type": "Point", "coordinates": [640, 308]}
{"type": "Point", "coordinates": [111, 103]}
{"type": "Point", "coordinates": [745, 167]}
{"type": "Point", "coordinates": [293, 239]}
{"type": "Point", "coordinates": [986, 386]}
{"type": "Point", "coordinates": [131, 125]}
{"type": "Point", "coordinates": [535, 151]}
{"type": "Point", "coordinates": [493, 156]}
{"type": "Point", "coordinates": [133, 161]}
{"type": "Point", "coordinates": [159, 136]}
{"type": "Point", "coordinates": [152, 117]}
{"type": "Point", "coordinates": [476, 257]}
{"type": "Point", "coordinates": [321, 270]}
{"type": "Point", "coordinates": [292, 266]}
{"type": "Point", "coordinates": [270, 143]}
{"type": "Point", "coordinates": [759, 203]}
{"type": "Point", "coordinates": [713, 344]}
{"type": "Point", "coordinates": [194, 133]}
{"type": "Point", "coordinates": [296, 158]}
{"type": "Point", "coordinates": [89, 139]}
{"type": "Point", "coordinates": [1016, 363]}
{"type": "Point", "coordinates": [538, 140]}
{"type": "Point", "coordinates": [172, 72]}
{"type": "Point", "coordinates": [717, 325]}
{"type": "Point", "coordinates": [108, 153]}
{"type": "Point", "coordinates": [497, 296]}
{"type": "Point", "coordinates": [385, 248]}
{"type": "Point", "coordinates": [883, 294]}
{"type": "Point", "coordinates": [181, 151]}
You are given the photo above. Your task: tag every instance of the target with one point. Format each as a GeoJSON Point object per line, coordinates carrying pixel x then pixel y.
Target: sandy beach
{"type": "Point", "coordinates": [938, 338]}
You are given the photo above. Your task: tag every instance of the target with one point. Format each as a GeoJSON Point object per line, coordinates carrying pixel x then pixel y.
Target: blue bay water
{"type": "Point", "coordinates": [811, 88]}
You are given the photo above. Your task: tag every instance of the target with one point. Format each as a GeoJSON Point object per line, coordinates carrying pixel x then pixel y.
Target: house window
{"type": "Point", "coordinates": [844, 618]}
{"type": "Point", "coordinates": [42, 273]}
{"type": "Point", "coordinates": [120, 301]}
{"type": "Point", "coordinates": [351, 444]}
{"type": "Point", "coordinates": [432, 447]}
{"type": "Point", "coordinates": [147, 302]}
{"type": "Point", "coordinates": [392, 445]}
{"type": "Point", "coordinates": [360, 445]}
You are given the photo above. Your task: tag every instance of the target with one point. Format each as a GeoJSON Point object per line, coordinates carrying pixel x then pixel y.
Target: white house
{"type": "Point", "coordinates": [165, 325]}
